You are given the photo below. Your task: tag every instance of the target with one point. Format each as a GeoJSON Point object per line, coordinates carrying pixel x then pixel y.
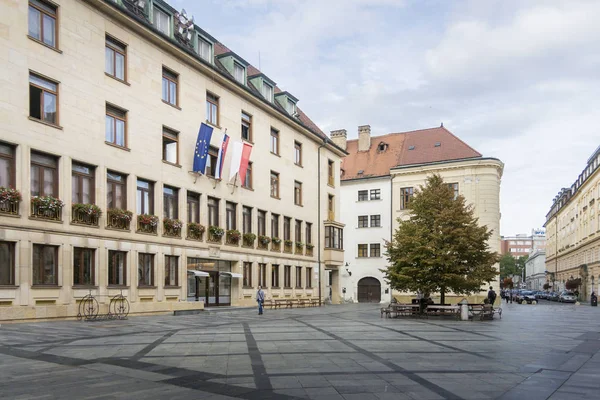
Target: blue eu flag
{"type": "Point", "coordinates": [202, 146]}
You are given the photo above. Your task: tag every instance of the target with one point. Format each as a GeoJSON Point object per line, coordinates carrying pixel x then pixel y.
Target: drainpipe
{"type": "Point", "coordinates": [319, 222]}
{"type": "Point", "coordinates": [391, 225]}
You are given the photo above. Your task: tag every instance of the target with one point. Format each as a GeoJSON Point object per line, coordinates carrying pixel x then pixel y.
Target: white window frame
{"type": "Point", "coordinates": [208, 44]}
{"type": "Point", "coordinates": [156, 11]}
{"type": "Point", "coordinates": [239, 67]}
{"type": "Point", "coordinates": [264, 90]}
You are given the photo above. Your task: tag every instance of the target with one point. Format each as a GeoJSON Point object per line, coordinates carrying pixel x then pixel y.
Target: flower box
{"type": "Point", "coordinates": [117, 218]}
{"type": "Point", "coordinates": [172, 227]}
{"type": "Point", "coordinates": [248, 240]}
{"type": "Point", "coordinates": [215, 234]}
{"type": "Point", "coordinates": [147, 223]}
{"type": "Point", "coordinates": [299, 248]}
{"type": "Point", "coordinates": [263, 242]}
{"type": "Point", "coordinates": [287, 246]}
{"type": "Point", "coordinates": [85, 214]}
{"type": "Point", "coordinates": [309, 251]}
{"type": "Point", "coordinates": [9, 201]}
{"type": "Point", "coordinates": [232, 237]}
{"type": "Point", "coordinates": [276, 245]}
{"type": "Point", "coordinates": [195, 231]}
{"type": "Point", "coordinates": [46, 207]}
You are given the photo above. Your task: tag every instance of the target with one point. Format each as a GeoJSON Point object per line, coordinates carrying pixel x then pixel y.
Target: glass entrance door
{"type": "Point", "coordinates": [212, 289]}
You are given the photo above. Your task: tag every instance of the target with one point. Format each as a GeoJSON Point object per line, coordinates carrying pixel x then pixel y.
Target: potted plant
{"type": "Point", "coordinates": [276, 240]}
{"type": "Point", "coordinates": [249, 238]}
{"type": "Point", "coordinates": [264, 240]}
{"type": "Point", "coordinates": [87, 209]}
{"type": "Point", "coordinates": [120, 214]}
{"type": "Point", "coordinates": [172, 226]}
{"type": "Point", "coordinates": [195, 229]}
{"type": "Point", "coordinates": [288, 242]}
{"type": "Point", "coordinates": [216, 232]}
{"type": "Point", "coordinates": [233, 236]}
{"type": "Point", "coordinates": [47, 207]}
{"type": "Point", "coordinates": [310, 246]}
{"type": "Point", "coordinates": [9, 200]}
{"type": "Point", "coordinates": [147, 219]}
{"type": "Point", "coordinates": [299, 245]}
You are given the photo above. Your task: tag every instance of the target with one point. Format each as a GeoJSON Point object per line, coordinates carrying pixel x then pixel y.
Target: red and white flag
{"type": "Point", "coordinates": [245, 160]}
{"type": "Point", "coordinates": [236, 158]}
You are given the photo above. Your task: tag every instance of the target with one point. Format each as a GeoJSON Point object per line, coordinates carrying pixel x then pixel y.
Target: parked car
{"type": "Point", "coordinates": [526, 296]}
{"type": "Point", "coordinates": [567, 297]}
{"type": "Point", "coordinates": [552, 296]}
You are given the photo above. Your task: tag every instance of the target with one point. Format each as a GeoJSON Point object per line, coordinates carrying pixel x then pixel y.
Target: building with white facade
{"type": "Point", "coordinates": [396, 164]}
{"type": "Point", "coordinates": [535, 270]}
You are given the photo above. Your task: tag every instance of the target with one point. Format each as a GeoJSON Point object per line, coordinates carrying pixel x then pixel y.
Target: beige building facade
{"type": "Point", "coordinates": [573, 232]}
{"type": "Point", "coordinates": [101, 106]}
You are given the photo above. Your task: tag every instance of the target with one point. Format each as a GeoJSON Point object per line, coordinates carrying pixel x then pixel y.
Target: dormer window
{"type": "Point", "coordinates": [162, 21]}
{"type": "Point", "coordinates": [290, 107]}
{"type": "Point", "coordinates": [382, 147]}
{"type": "Point", "coordinates": [204, 49]}
{"type": "Point", "coordinates": [239, 73]}
{"type": "Point", "coordinates": [411, 147]}
{"type": "Point", "coordinates": [267, 91]}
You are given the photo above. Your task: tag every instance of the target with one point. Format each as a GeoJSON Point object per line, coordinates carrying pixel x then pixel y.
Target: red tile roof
{"type": "Point", "coordinates": [400, 151]}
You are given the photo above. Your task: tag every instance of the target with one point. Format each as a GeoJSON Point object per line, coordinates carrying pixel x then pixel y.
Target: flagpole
{"type": "Point", "coordinates": [234, 182]}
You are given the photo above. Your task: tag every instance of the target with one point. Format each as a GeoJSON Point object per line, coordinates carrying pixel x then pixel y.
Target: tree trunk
{"type": "Point", "coordinates": [442, 295]}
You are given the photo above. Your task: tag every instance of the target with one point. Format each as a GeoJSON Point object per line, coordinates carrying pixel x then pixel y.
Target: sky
{"type": "Point", "coordinates": [516, 80]}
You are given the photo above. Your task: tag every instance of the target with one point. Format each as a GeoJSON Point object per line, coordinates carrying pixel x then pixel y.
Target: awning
{"type": "Point", "coordinates": [197, 273]}
{"type": "Point", "coordinates": [232, 274]}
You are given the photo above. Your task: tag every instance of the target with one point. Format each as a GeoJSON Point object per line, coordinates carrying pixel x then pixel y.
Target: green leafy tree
{"type": "Point", "coordinates": [508, 266]}
{"type": "Point", "coordinates": [441, 248]}
{"type": "Point", "coordinates": [520, 265]}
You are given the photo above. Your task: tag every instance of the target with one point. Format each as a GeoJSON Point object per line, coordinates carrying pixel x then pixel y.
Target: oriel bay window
{"type": "Point", "coordinates": [114, 60]}
{"type": "Point", "coordinates": [117, 268]}
{"type": "Point", "coordinates": [230, 215]}
{"type": "Point", "coordinates": [247, 219]}
{"type": "Point", "coordinates": [262, 222]}
{"type": "Point", "coordinates": [45, 265]}
{"type": "Point", "coordinates": [262, 275]}
{"type": "Point", "coordinates": [82, 184]}
{"type": "Point", "coordinates": [298, 277]}
{"type": "Point", "coordinates": [115, 126]}
{"type": "Point", "coordinates": [287, 277]}
{"type": "Point", "coordinates": [334, 238]}
{"type": "Point", "coordinates": [43, 99]}
{"type": "Point", "coordinates": [145, 197]}
{"type": "Point", "coordinates": [7, 263]}
{"type": "Point", "coordinates": [116, 190]}
{"type": "Point", "coordinates": [145, 269]}
{"type": "Point", "coordinates": [7, 165]}
{"type": "Point", "coordinates": [406, 195]}
{"type": "Point", "coordinates": [170, 80]}
{"type": "Point", "coordinates": [170, 139]}
{"type": "Point", "coordinates": [212, 109]}
{"type": "Point", "coordinates": [42, 22]}
{"type": "Point", "coordinates": [213, 211]}
{"type": "Point", "coordinates": [44, 175]}
{"type": "Point", "coordinates": [171, 202]}
{"type": "Point", "coordinates": [171, 273]}
{"type": "Point", "coordinates": [83, 266]}
{"type": "Point", "coordinates": [275, 276]}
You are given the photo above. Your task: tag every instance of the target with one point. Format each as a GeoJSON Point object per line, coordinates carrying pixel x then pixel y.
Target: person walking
{"type": "Point", "coordinates": [491, 296]}
{"type": "Point", "coordinates": [260, 298]}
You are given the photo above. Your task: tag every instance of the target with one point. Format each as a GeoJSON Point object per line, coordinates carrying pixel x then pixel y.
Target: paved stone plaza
{"type": "Point", "coordinates": [335, 352]}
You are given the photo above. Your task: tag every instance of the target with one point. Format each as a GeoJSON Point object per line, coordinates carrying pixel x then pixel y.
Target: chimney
{"type": "Point", "coordinates": [339, 138]}
{"type": "Point", "coordinates": [364, 137]}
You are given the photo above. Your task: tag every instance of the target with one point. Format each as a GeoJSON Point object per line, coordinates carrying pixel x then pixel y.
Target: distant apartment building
{"type": "Point", "coordinates": [524, 244]}
{"type": "Point", "coordinates": [573, 230]}
{"type": "Point", "coordinates": [535, 270]}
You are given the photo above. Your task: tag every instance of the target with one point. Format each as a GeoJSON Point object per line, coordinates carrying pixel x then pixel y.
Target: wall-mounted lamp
{"type": "Point", "coordinates": [349, 273]}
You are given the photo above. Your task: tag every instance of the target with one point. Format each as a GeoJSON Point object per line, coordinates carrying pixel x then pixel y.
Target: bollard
{"type": "Point", "coordinates": [464, 312]}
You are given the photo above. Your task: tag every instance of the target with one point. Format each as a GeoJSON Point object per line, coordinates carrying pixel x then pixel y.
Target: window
{"type": "Point", "coordinates": [170, 202]}
{"type": "Point", "coordinates": [114, 60]}
{"type": "Point", "coordinates": [375, 194]}
{"type": "Point", "coordinates": [211, 164]}
{"type": "Point", "coordinates": [213, 211]}
{"type": "Point", "coordinates": [248, 180]}
{"type": "Point", "coordinates": [363, 221]}
{"type": "Point", "coordinates": [308, 234]}
{"type": "Point", "coordinates": [330, 175]}
{"type": "Point", "coordinates": [262, 221]}
{"type": "Point", "coordinates": [330, 207]}
{"type": "Point", "coordinates": [230, 215]}
{"type": "Point", "coordinates": [308, 277]}
{"type": "Point", "coordinates": [45, 265]}
{"type": "Point", "coordinates": [171, 263]}
{"type": "Point", "coordinates": [267, 91]}
{"type": "Point", "coordinates": [287, 228]}
{"type": "Point", "coordinates": [262, 275]}
{"type": "Point", "coordinates": [298, 277]}
{"type": "Point", "coordinates": [363, 250]}
{"type": "Point", "coordinates": [274, 225]}
{"type": "Point", "coordinates": [193, 207]}
{"type": "Point", "coordinates": [247, 275]}
{"type": "Point", "coordinates": [83, 266]}
{"type": "Point", "coordinates": [274, 141]}
{"type": "Point", "coordinates": [375, 250]}
{"type": "Point", "coordinates": [406, 195]}
{"type": "Point", "coordinates": [454, 187]}
{"type": "Point", "coordinates": [298, 231]}
{"type": "Point", "coordinates": [145, 269]}
{"type": "Point", "coordinates": [274, 184]}
{"type": "Point", "coordinates": [298, 153]}
{"type": "Point", "coordinates": [212, 109]}
{"type": "Point", "coordinates": [239, 73]}
{"type": "Point", "coordinates": [82, 183]}
{"type": "Point", "coordinates": [375, 221]}
{"type": "Point", "coordinates": [162, 21]}
{"type": "Point", "coordinates": [117, 268]}
{"type": "Point", "coordinates": [145, 197]}
{"type": "Point", "coordinates": [334, 238]}
{"type": "Point", "coordinates": [170, 146]}
{"type": "Point", "coordinates": [246, 219]}
{"type": "Point", "coordinates": [290, 107]}
{"type": "Point", "coordinates": [43, 99]}
{"type": "Point", "coordinates": [204, 49]}
{"type": "Point", "coordinates": [42, 22]}
{"type": "Point", "coordinates": [7, 263]}
{"type": "Point", "coordinates": [116, 123]}
{"type": "Point", "coordinates": [275, 276]}
{"type": "Point", "coordinates": [363, 195]}
{"type": "Point", "coordinates": [287, 276]}
{"type": "Point", "coordinates": [246, 127]}
{"type": "Point", "coordinates": [44, 175]}
{"type": "Point", "coordinates": [7, 165]}
{"type": "Point", "coordinates": [169, 86]}
{"type": "Point", "coordinates": [116, 190]}
{"type": "Point", "coordinates": [297, 193]}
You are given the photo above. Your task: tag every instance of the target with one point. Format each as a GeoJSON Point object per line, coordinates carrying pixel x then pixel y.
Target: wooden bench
{"type": "Point", "coordinates": [303, 302]}
{"type": "Point", "coordinates": [435, 310]}
{"type": "Point", "coordinates": [314, 302]}
{"type": "Point", "coordinates": [280, 302]}
{"type": "Point", "coordinates": [292, 302]}
{"type": "Point", "coordinates": [269, 303]}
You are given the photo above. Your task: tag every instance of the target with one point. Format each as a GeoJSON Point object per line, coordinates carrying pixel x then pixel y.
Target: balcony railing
{"type": "Point", "coordinates": [118, 219]}
{"type": "Point", "coordinates": [47, 213]}
{"type": "Point", "coordinates": [147, 224]}
{"type": "Point", "coordinates": [195, 231]}
{"type": "Point", "coordinates": [215, 235]}
{"type": "Point", "coordinates": [9, 207]}
{"type": "Point", "coordinates": [287, 247]}
{"type": "Point", "coordinates": [276, 247]}
{"type": "Point", "coordinates": [81, 217]}
{"type": "Point", "coordinates": [172, 228]}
